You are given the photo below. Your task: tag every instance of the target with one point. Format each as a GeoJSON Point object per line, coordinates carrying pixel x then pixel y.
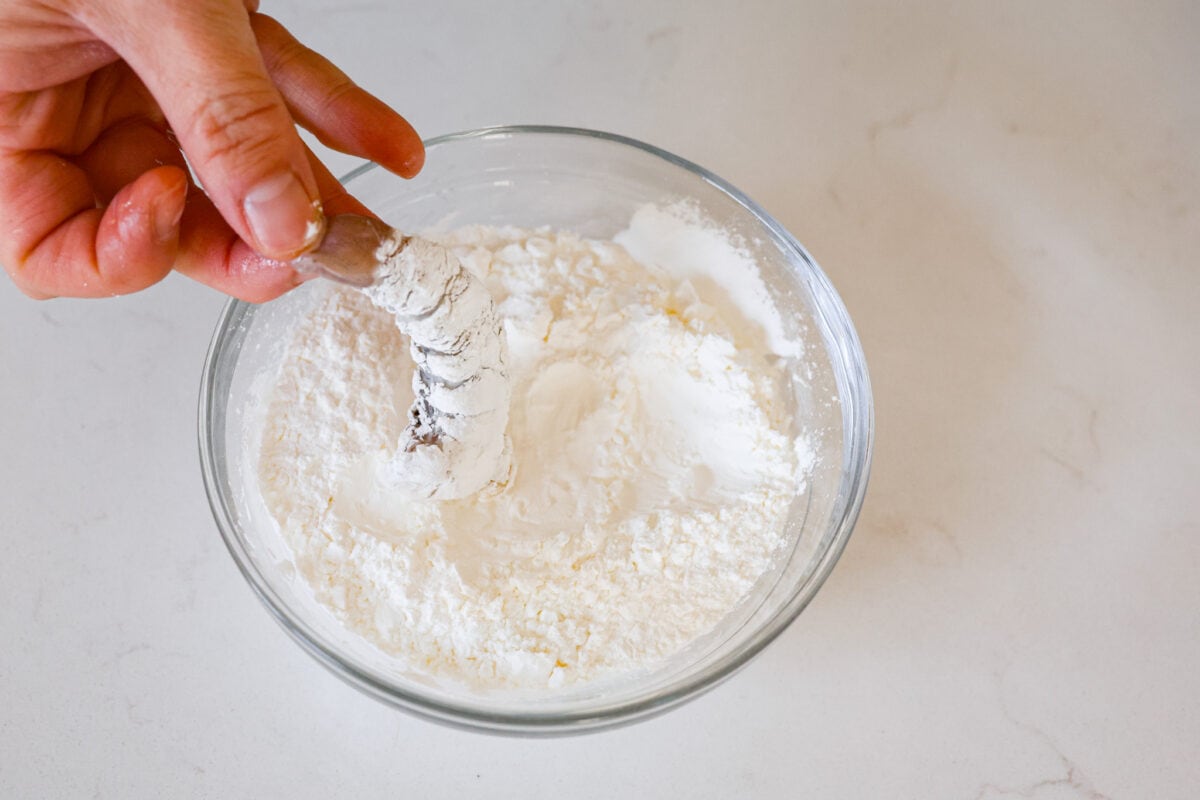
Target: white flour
{"type": "Point", "coordinates": [652, 465]}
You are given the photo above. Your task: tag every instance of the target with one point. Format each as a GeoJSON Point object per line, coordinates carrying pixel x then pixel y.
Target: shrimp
{"type": "Point", "coordinates": [456, 442]}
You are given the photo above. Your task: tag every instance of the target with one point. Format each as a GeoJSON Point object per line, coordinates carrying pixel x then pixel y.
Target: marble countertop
{"type": "Point", "coordinates": [1007, 195]}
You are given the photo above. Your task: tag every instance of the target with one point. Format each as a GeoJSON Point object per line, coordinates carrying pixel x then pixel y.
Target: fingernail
{"type": "Point", "coordinates": [283, 219]}
{"type": "Point", "coordinates": [167, 211]}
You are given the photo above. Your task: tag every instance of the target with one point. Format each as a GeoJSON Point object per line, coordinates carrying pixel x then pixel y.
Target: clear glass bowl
{"type": "Point", "coordinates": [591, 183]}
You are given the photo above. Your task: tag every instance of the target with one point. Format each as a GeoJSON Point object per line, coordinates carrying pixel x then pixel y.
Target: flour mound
{"type": "Point", "coordinates": [652, 468]}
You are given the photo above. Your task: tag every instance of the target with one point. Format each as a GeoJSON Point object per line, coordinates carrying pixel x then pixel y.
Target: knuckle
{"type": "Point", "coordinates": [288, 53]}
{"type": "Point", "coordinates": [240, 121]}
{"type": "Point", "coordinates": [337, 92]}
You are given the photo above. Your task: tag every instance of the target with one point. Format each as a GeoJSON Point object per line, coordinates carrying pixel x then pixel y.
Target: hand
{"type": "Point", "coordinates": [100, 100]}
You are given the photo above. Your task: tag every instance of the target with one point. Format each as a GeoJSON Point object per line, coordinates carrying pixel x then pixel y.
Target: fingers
{"type": "Point", "coordinates": [200, 60]}
{"type": "Point", "coordinates": [124, 152]}
{"type": "Point", "coordinates": [334, 196]}
{"type": "Point", "coordinates": [61, 244]}
{"type": "Point", "coordinates": [211, 253]}
{"type": "Point", "coordinates": [65, 246]}
{"type": "Point", "coordinates": [203, 63]}
{"type": "Point", "coordinates": [326, 102]}
{"type": "Point", "coordinates": [59, 241]}
{"type": "Point", "coordinates": [70, 117]}
{"type": "Point", "coordinates": [138, 236]}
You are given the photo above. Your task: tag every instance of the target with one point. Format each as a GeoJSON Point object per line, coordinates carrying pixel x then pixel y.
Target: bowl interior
{"type": "Point", "coordinates": [592, 184]}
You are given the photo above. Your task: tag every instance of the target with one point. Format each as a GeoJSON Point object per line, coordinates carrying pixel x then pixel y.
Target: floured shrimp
{"type": "Point", "coordinates": [456, 442]}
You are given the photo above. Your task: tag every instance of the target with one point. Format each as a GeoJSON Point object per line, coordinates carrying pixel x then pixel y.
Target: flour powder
{"type": "Point", "coordinates": [652, 464]}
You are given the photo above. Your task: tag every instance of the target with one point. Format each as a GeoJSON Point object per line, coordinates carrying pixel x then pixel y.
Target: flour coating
{"type": "Point", "coordinates": [455, 442]}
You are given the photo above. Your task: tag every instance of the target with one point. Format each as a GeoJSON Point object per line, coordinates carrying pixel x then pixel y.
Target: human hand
{"type": "Point", "coordinates": [101, 99]}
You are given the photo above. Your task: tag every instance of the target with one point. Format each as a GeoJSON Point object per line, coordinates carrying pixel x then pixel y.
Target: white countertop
{"type": "Point", "coordinates": [1008, 199]}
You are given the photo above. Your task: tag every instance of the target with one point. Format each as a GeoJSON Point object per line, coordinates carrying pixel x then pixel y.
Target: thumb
{"type": "Point", "coordinates": [200, 60]}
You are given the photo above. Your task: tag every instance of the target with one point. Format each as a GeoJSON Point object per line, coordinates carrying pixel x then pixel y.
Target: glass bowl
{"type": "Point", "coordinates": [591, 183]}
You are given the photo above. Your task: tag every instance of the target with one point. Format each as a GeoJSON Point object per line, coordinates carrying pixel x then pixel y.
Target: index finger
{"type": "Point", "coordinates": [59, 243]}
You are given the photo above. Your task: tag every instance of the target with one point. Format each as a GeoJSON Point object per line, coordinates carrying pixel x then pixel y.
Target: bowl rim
{"type": "Point", "coordinates": [858, 441]}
